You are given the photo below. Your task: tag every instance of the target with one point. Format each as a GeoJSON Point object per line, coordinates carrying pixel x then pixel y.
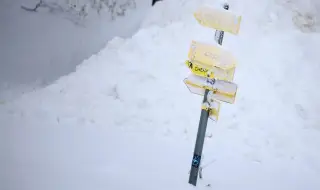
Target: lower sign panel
{"type": "Point", "coordinates": [213, 107]}
{"type": "Point", "coordinates": [219, 89]}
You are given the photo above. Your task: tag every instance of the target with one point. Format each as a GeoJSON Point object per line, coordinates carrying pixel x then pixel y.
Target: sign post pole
{"type": "Point", "coordinates": [205, 112]}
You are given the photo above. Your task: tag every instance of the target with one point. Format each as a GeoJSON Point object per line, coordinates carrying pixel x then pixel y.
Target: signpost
{"type": "Point", "coordinates": [212, 74]}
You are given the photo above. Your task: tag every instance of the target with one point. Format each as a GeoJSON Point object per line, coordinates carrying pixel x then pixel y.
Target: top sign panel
{"type": "Point", "coordinates": [218, 19]}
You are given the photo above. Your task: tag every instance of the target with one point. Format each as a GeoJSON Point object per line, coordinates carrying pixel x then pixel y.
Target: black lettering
{"type": "Point", "coordinates": [201, 69]}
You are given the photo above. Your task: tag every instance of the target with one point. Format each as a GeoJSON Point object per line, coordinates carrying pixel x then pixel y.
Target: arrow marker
{"type": "Point", "coordinates": [219, 89]}
{"type": "Point", "coordinates": [218, 19]}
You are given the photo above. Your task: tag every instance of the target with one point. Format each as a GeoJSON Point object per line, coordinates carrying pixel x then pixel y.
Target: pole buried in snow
{"type": "Point", "coordinates": [196, 160]}
{"type": "Point", "coordinates": [195, 165]}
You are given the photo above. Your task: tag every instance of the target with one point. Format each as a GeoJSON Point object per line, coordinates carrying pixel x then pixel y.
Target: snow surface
{"type": "Point", "coordinates": [125, 120]}
{"type": "Point", "coordinates": [39, 47]}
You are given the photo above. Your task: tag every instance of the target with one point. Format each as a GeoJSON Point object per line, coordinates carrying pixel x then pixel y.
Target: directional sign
{"type": "Point", "coordinates": [212, 75]}
{"type": "Point", "coordinates": [211, 55]}
{"type": "Point", "coordinates": [213, 107]}
{"type": "Point", "coordinates": [218, 61]}
{"type": "Point", "coordinates": [218, 19]}
{"type": "Point", "coordinates": [220, 90]}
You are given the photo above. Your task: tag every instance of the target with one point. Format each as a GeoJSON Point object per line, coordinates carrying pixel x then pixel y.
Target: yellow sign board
{"type": "Point", "coordinates": [218, 19]}
{"type": "Point", "coordinates": [211, 55]}
{"type": "Point", "coordinates": [204, 58]}
{"type": "Point", "coordinates": [219, 89]}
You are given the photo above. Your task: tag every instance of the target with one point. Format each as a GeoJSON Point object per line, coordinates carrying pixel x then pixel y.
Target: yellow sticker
{"type": "Point", "coordinates": [199, 70]}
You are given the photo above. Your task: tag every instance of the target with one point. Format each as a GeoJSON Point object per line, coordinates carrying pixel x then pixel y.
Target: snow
{"type": "Point", "coordinates": [125, 120]}
{"type": "Point", "coordinates": [39, 47]}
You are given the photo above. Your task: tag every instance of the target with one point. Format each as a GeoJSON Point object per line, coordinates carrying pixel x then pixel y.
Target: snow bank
{"type": "Point", "coordinates": [125, 120]}
{"type": "Point", "coordinates": [305, 14]}
{"type": "Point", "coordinates": [39, 47]}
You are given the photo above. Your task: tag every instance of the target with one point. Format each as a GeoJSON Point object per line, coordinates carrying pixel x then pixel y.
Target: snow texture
{"type": "Point", "coordinates": [39, 47]}
{"type": "Point", "coordinates": [125, 120]}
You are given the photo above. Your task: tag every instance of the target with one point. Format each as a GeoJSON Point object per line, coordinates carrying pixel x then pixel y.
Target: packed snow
{"type": "Point", "coordinates": [39, 47]}
{"type": "Point", "coordinates": [125, 119]}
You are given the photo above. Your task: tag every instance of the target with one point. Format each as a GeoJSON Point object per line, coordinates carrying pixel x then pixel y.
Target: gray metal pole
{"type": "Point", "coordinates": [196, 160]}
{"type": "Point", "coordinates": [199, 143]}
{"type": "Point", "coordinates": [219, 34]}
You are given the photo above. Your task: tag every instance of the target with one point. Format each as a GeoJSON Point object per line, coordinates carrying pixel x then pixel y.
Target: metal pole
{"type": "Point", "coordinates": [196, 160]}
{"type": "Point", "coordinates": [219, 34]}
{"type": "Point", "coordinates": [199, 143]}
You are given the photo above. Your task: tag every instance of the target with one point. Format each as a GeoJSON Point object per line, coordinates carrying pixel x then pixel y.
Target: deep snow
{"type": "Point", "coordinates": [39, 47]}
{"type": "Point", "coordinates": [125, 120]}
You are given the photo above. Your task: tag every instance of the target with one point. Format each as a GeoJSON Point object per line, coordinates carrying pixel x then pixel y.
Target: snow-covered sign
{"type": "Point", "coordinates": [200, 70]}
{"type": "Point", "coordinates": [210, 61]}
{"type": "Point", "coordinates": [212, 75]}
{"type": "Point", "coordinates": [218, 89]}
{"type": "Point", "coordinates": [218, 19]}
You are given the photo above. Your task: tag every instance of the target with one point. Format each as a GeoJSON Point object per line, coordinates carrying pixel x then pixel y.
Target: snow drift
{"type": "Point", "coordinates": [39, 47]}
{"type": "Point", "coordinates": [125, 120]}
